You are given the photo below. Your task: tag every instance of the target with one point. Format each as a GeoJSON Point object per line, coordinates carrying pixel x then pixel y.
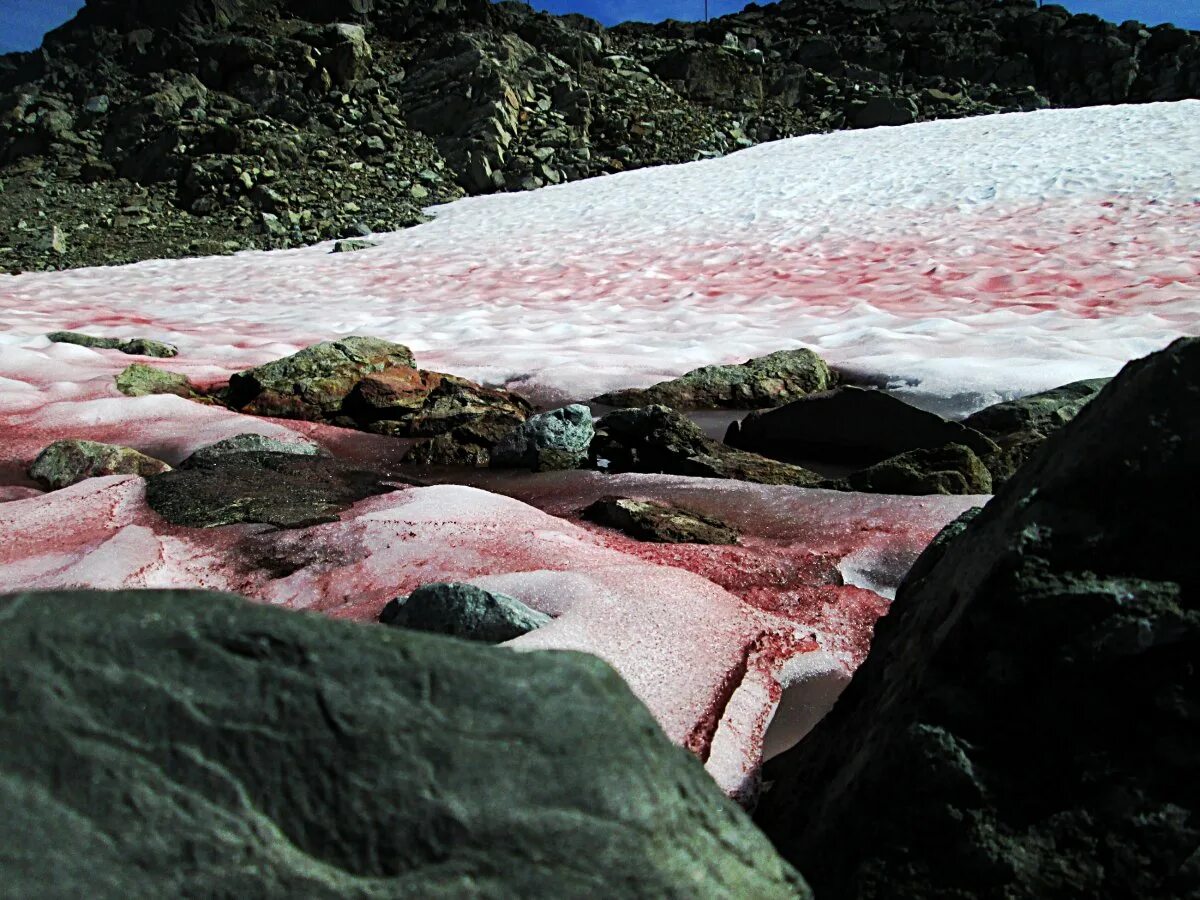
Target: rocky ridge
{"type": "Point", "coordinates": [203, 126]}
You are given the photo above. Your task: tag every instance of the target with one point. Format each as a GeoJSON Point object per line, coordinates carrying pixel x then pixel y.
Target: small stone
{"type": "Point", "coordinates": [649, 521]}
{"type": "Point", "coordinates": [141, 380]}
{"type": "Point", "coordinates": [464, 611]}
{"type": "Point", "coordinates": [54, 242]}
{"type": "Point", "coordinates": [68, 462]}
{"type": "Point", "coordinates": [352, 245]}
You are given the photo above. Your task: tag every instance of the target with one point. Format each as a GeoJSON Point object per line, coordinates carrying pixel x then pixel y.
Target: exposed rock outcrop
{"type": "Point", "coordinates": [648, 520]}
{"type": "Point", "coordinates": [185, 743]}
{"type": "Point", "coordinates": [69, 462]}
{"type": "Point", "coordinates": [1031, 699]}
{"type": "Point", "coordinates": [758, 383]}
{"type": "Point", "coordinates": [132, 346]}
{"type": "Point", "coordinates": [286, 489]}
{"type": "Point", "coordinates": [558, 439]}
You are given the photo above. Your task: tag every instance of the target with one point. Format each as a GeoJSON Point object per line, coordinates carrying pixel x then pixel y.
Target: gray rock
{"type": "Point", "coordinates": [352, 245]}
{"type": "Point", "coordinates": [68, 462]}
{"type": "Point", "coordinates": [250, 443]}
{"type": "Point", "coordinates": [1031, 698]}
{"type": "Point", "coordinates": [463, 611]}
{"type": "Point", "coordinates": [558, 439]}
{"type": "Point", "coordinates": [132, 346]}
{"type": "Point", "coordinates": [758, 383]}
{"type": "Point", "coordinates": [171, 744]}
{"type": "Point", "coordinates": [287, 490]}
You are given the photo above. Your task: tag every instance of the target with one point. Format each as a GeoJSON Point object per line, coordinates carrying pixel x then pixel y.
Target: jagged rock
{"type": "Point", "coordinates": [1031, 698]}
{"type": "Point", "coordinates": [758, 383]}
{"type": "Point", "coordinates": [463, 611]}
{"type": "Point", "coordinates": [952, 469]}
{"type": "Point", "coordinates": [659, 439]}
{"type": "Point", "coordinates": [1020, 426]}
{"type": "Point", "coordinates": [408, 402]}
{"type": "Point", "coordinates": [250, 443]}
{"type": "Point", "coordinates": [187, 743]}
{"type": "Point", "coordinates": [288, 490]}
{"type": "Point", "coordinates": [850, 424]}
{"type": "Point", "coordinates": [141, 380]}
{"type": "Point", "coordinates": [650, 521]}
{"type": "Point", "coordinates": [313, 383]}
{"type": "Point", "coordinates": [68, 462]}
{"type": "Point", "coordinates": [132, 346]}
{"type": "Point", "coordinates": [558, 439]}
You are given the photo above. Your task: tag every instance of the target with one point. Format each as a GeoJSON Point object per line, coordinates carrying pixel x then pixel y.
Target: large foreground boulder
{"type": "Point", "coordinates": [1028, 721]}
{"type": "Point", "coordinates": [171, 744]}
{"type": "Point", "coordinates": [758, 383]}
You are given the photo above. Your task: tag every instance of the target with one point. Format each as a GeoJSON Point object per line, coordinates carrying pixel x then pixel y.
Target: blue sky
{"type": "Point", "coordinates": [23, 22]}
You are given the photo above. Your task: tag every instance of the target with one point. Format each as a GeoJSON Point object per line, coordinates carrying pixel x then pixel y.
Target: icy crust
{"type": "Point", "coordinates": [710, 666]}
{"type": "Point", "coordinates": [964, 261]}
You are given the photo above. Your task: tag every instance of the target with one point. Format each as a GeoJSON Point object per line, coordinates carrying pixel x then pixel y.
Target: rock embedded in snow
{"type": "Point", "coordinates": [558, 439]}
{"type": "Point", "coordinates": [765, 381]}
{"type": "Point", "coordinates": [952, 469]}
{"type": "Point", "coordinates": [250, 443]}
{"type": "Point", "coordinates": [352, 245]}
{"type": "Point", "coordinates": [1020, 426]}
{"type": "Point", "coordinates": [410, 402]}
{"type": "Point", "coordinates": [132, 346]}
{"type": "Point", "coordinates": [850, 424]}
{"type": "Point", "coordinates": [141, 380]}
{"type": "Point", "coordinates": [69, 462]}
{"type": "Point", "coordinates": [175, 743]}
{"type": "Point", "coordinates": [647, 520]}
{"type": "Point", "coordinates": [659, 439]}
{"type": "Point", "coordinates": [282, 489]}
{"type": "Point", "coordinates": [463, 611]}
{"type": "Point", "coordinates": [1031, 698]}
{"type": "Point", "coordinates": [314, 382]}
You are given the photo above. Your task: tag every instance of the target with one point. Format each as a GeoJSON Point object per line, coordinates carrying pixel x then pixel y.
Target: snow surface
{"type": "Point", "coordinates": [959, 262]}
{"type": "Point", "coordinates": [964, 260]}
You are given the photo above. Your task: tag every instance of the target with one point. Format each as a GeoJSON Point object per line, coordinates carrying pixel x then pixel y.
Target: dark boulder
{"type": "Point", "coordinates": [952, 469]}
{"type": "Point", "coordinates": [282, 489]}
{"type": "Point", "coordinates": [659, 439]}
{"type": "Point", "coordinates": [249, 443]}
{"type": "Point", "coordinates": [1020, 426]}
{"type": "Point", "coordinates": [172, 744]}
{"type": "Point", "coordinates": [850, 425]}
{"type": "Point", "coordinates": [1028, 721]}
{"type": "Point", "coordinates": [463, 611]}
{"type": "Point", "coordinates": [758, 383]}
{"type": "Point", "coordinates": [647, 520]}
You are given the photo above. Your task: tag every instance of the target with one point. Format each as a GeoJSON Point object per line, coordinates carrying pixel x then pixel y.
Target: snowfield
{"type": "Point", "coordinates": [957, 262]}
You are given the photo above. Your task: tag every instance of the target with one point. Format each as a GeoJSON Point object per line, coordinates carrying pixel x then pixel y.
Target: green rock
{"type": "Point", "coordinates": [558, 439]}
{"type": "Point", "coordinates": [132, 346]}
{"type": "Point", "coordinates": [141, 380]}
{"type": "Point", "coordinates": [759, 383]}
{"type": "Point", "coordinates": [175, 744]}
{"type": "Point", "coordinates": [646, 520]}
{"type": "Point", "coordinates": [69, 462]}
{"type": "Point", "coordinates": [313, 383]}
{"type": "Point", "coordinates": [282, 489]}
{"type": "Point", "coordinates": [463, 611]}
{"type": "Point", "coordinates": [952, 469]}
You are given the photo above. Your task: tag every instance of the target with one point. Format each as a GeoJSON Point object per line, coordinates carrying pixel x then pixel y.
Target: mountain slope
{"type": "Point", "coordinates": [199, 126]}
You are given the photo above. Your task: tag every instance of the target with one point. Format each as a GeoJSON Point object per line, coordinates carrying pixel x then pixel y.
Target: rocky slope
{"type": "Point", "coordinates": [1026, 724]}
{"type": "Point", "coordinates": [184, 743]}
{"type": "Point", "coordinates": [201, 126]}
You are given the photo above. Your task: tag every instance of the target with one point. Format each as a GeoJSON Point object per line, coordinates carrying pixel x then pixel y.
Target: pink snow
{"type": "Point", "coordinates": [711, 666]}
